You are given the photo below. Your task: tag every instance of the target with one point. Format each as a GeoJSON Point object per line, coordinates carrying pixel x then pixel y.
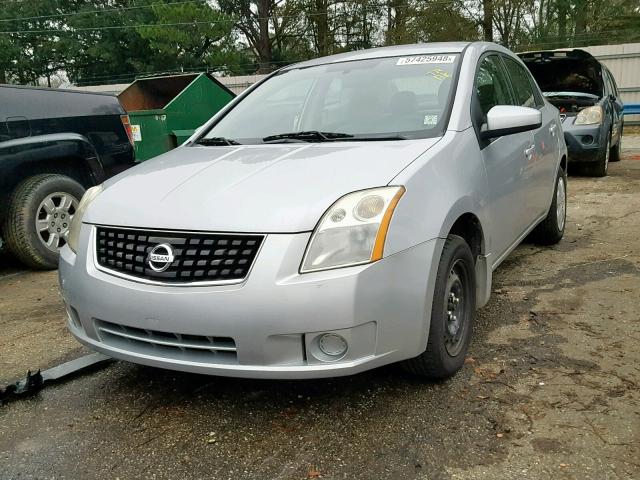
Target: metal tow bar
{"type": "Point", "coordinates": [33, 383]}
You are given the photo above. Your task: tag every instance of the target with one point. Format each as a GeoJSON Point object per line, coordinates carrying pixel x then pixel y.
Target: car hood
{"type": "Point", "coordinates": [252, 188]}
{"type": "Point", "coordinates": [565, 71]}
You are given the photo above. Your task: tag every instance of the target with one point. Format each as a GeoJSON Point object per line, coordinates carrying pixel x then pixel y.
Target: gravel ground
{"type": "Point", "coordinates": [551, 388]}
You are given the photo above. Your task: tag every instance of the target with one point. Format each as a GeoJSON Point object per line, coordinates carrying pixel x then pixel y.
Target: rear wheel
{"type": "Point", "coordinates": [38, 218]}
{"type": "Point", "coordinates": [551, 230]}
{"type": "Point", "coordinates": [452, 312]}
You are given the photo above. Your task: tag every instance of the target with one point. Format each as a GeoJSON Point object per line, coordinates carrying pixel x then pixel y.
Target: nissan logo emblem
{"type": "Point", "coordinates": [161, 257]}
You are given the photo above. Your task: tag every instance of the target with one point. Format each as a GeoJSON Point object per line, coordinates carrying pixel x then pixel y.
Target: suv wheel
{"type": "Point", "coordinates": [551, 230]}
{"type": "Point", "coordinates": [452, 311]}
{"type": "Point", "coordinates": [39, 217]}
{"type": "Point", "coordinates": [616, 152]}
{"type": "Point", "coordinates": [600, 167]}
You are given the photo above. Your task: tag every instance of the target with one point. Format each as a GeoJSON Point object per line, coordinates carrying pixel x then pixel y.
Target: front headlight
{"type": "Point", "coordinates": [353, 230]}
{"type": "Point", "coordinates": [76, 222]}
{"type": "Point", "coordinates": [589, 116]}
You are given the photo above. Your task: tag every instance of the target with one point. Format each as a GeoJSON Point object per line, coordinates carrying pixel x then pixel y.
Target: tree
{"type": "Point", "coordinates": [200, 35]}
{"type": "Point", "coordinates": [26, 57]}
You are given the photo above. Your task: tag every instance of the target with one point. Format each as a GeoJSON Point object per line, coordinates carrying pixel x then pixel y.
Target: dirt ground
{"type": "Point", "coordinates": [551, 388]}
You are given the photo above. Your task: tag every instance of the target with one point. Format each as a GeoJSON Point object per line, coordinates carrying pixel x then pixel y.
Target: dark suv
{"type": "Point", "coordinates": [53, 145]}
{"type": "Point", "coordinates": [586, 94]}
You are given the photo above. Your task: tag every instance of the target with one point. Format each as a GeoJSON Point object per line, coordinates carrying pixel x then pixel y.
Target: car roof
{"type": "Point", "coordinates": [393, 51]}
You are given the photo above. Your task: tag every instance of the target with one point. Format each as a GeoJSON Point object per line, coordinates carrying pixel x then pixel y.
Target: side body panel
{"type": "Point", "coordinates": [35, 111]}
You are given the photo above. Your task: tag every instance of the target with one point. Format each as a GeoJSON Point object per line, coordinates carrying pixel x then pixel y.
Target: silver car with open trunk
{"type": "Point", "coordinates": [345, 213]}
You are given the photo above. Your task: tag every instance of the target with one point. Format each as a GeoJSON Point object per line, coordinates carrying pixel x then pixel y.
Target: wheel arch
{"type": "Point", "coordinates": [467, 224]}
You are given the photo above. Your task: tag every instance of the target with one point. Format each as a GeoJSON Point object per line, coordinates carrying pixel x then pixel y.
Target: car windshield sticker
{"type": "Point", "coordinates": [430, 120]}
{"type": "Point", "coordinates": [439, 74]}
{"type": "Point", "coordinates": [424, 59]}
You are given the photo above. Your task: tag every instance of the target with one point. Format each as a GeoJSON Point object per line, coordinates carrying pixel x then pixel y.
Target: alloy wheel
{"type": "Point", "coordinates": [53, 219]}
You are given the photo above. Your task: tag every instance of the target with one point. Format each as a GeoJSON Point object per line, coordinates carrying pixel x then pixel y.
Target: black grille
{"type": "Point", "coordinates": [198, 257]}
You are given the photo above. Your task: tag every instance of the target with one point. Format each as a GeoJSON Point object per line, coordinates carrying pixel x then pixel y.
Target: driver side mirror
{"type": "Point", "coordinates": [508, 119]}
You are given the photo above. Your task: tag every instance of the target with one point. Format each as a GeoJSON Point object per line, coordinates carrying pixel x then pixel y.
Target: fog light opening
{"type": "Point", "coordinates": [332, 345]}
{"type": "Point", "coordinates": [74, 317]}
{"type": "Point", "coordinates": [587, 139]}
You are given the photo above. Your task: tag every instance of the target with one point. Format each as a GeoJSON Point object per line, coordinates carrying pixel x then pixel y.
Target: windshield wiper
{"type": "Point", "coordinates": [375, 138]}
{"type": "Point", "coordinates": [308, 136]}
{"type": "Point", "coordinates": [217, 141]}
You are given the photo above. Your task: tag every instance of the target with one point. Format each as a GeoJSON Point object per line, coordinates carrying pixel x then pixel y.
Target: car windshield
{"type": "Point", "coordinates": [380, 98]}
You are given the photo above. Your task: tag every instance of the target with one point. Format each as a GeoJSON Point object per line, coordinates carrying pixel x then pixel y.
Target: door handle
{"type": "Point", "coordinates": [552, 129]}
{"type": "Point", "coordinates": [528, 152]}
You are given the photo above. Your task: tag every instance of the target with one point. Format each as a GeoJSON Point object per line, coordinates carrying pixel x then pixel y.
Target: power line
{"type": "Point", "coordinates": [137, 7]}
{"type": "Point", "coordinates": [104, 10]}
{"type": "Point", "coordinates": [116, 27]}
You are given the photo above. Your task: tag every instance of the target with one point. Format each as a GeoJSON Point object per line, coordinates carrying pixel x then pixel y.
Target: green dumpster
{"type": "Point", "coordinates": [165, 111]}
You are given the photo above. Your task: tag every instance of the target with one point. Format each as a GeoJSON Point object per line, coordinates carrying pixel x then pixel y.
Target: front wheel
{"type": "Point", "coordinates": [616, 152]}
{"type": "Point", "coordinates": [38, 218]}
{"type": "Point", "coordinates": [452, 311]}
{"type": "Point", "coordinates": [600, 167]}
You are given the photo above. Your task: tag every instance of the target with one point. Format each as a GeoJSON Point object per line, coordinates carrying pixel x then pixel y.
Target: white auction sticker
{"type": "Point", "coordinates": [424, 59]}
{"type": "Point", "coordinates": [136, 133]}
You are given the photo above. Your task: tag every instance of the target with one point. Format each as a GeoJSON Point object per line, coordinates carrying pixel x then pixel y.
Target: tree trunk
{"type": "Point", "coordinates": [487, 20]}
{"type": "Point", "coordinates": [581, 21]}
{"type": "Point", "coordinates": [562, 22]}
{"type": "Point", "coordinates": [322, 26]}
{"type": "Point", "coordinates": [264, 41]}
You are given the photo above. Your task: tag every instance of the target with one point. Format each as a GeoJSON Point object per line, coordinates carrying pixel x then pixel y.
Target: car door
{"type": "Point", "coordinates": [505, 158]}
{"type": "Point", "coordinates": [616, 106]}
{"type": "Point", "coordinates": [539, 171]}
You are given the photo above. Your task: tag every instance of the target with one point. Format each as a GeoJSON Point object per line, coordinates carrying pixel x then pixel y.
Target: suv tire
{"type": "Point", "coordinates": [551, 230]}
{"type": "Point", "coordinates": [35, 200]}
{"type": "Point", "coordinates": [616, 152]}
{"type": "Point", "coordinates": [452, 312]}
{"type": "Point", "coordinates": [600, 167]}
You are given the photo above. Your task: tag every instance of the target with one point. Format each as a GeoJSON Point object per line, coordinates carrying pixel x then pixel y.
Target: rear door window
{"type": "Point", "coordinates": [522, 83]}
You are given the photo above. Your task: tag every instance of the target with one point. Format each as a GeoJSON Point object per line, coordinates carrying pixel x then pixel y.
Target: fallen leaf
{"type": "Point", "coordinates": [313, 473]}
{"type": "Point", "coordinates": [469, 360]}
{"type": "Point", "coordinates": [482, 397]}
{"type": "Point", "coordinates": [499, 435]}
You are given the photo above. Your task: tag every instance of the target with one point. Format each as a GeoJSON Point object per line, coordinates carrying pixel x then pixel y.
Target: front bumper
{"type": "Point", "coordinates": [585, 143]}
{"type": "Point", "coordinates": [273, 319]}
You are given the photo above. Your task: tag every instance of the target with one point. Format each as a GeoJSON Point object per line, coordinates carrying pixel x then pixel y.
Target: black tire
{"type": "Point", "coordinates": [616, 152]}
{"type": "Point", "coordinates": [20, 232]}
{"type": "Point", "coordinates": [600, 167]}
{"type": "Point", "coordinates": [438, 361]}
{"type": "Point", "coordinates": [550, 231]}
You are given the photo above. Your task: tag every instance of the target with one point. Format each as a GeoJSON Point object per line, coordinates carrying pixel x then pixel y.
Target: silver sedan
{"type": "Point", "coordinates": [344, 213]}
